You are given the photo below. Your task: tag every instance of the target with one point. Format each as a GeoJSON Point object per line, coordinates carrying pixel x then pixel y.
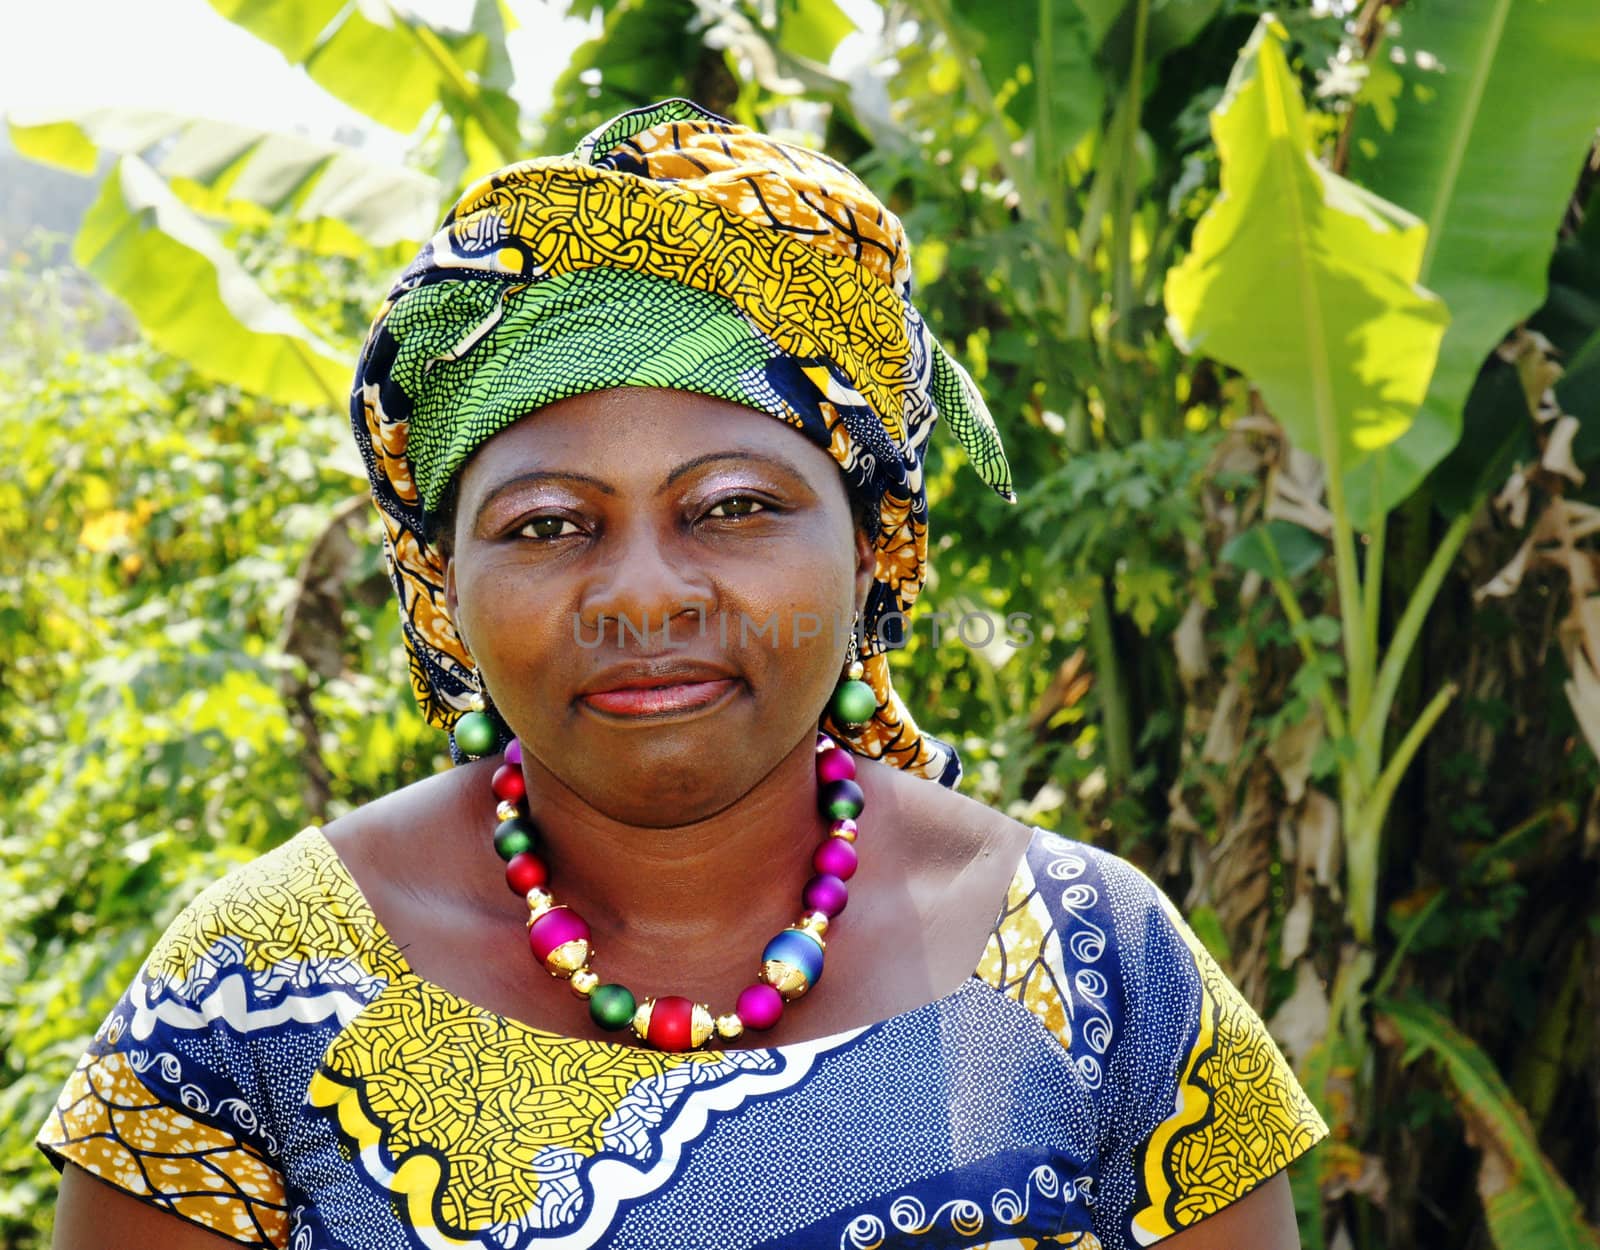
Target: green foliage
{"type": "Point", "coordinates": [1527, 1202]}
{"type": "Point", "coordinates": [154, 525]}
{"type": "Point", "coordinates": [389, 63]}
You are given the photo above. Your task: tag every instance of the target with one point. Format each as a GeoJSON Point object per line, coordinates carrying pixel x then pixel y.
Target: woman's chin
{"type": "Point", "coordinates": [673, 767]}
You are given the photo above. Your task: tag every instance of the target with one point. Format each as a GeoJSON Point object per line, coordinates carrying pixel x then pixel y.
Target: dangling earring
{"type": "Point", "coordinates": [474, 732]}
{"type": "Point", "coordinates": [854, 703]}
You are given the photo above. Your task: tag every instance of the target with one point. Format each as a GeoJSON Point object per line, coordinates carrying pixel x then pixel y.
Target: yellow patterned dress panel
{"type": "Point", "coordinates": [425, 1076]}
{"type": "Point", "coordinates": [293, 905]}
{"type": "Point", "coordinates": [1195, 1102]}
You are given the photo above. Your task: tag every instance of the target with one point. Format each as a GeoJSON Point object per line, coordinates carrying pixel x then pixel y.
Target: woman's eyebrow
{"type": "Point", "coordinates": [538, 475]}
{"type": "Point", "coordinates": [777, 462]}
{"type": "Point", "coordinates": [559, 475]}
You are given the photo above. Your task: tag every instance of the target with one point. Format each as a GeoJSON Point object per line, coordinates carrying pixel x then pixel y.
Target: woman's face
{"type": "Point", "coordinates": [604, 518]}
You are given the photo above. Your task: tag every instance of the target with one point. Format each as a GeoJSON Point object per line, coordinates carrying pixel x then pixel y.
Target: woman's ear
{"type": "Point", "coordinates": [866, 565]}
{"type": "Point", "coordinates": [451, 602]}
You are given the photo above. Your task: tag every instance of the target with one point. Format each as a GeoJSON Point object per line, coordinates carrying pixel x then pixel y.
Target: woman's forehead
{"type": "Point", "coordinates": [644, 433]}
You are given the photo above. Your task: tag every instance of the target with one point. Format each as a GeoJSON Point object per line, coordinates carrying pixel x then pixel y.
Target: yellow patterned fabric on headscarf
{"type": "Point", "coordinates": [672, 249]}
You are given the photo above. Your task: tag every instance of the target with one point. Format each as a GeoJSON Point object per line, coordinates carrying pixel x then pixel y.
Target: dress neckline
{"type": "Point", "coordinates": [394, 953]}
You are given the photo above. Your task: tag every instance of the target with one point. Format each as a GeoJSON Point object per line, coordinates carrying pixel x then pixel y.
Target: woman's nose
{"type": "Point", "coordinates": [643, 583]}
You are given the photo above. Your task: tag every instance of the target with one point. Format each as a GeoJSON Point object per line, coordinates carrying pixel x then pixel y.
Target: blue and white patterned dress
{"type": "Point", "coordinates": [278, 1074]}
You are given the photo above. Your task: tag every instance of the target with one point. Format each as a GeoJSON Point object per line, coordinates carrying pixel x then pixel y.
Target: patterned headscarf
{"type": "Point", "coordinates": [672, 249]}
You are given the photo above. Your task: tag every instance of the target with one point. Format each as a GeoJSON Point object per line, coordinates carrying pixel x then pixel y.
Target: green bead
{"type": "Point", "coordinates": [512, 837]}
{"type": "Point", "coordinates": [474, 734]}
{"type": "Point", "coordinates": [854, 703]}
{"type": "Point", "coordinates": [612, 1006]}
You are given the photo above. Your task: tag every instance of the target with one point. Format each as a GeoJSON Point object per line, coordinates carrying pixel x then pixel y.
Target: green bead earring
{"type": "Point", "coordinates": [474, 731]}
{"type": "Point", "coordinates": [854, 703]}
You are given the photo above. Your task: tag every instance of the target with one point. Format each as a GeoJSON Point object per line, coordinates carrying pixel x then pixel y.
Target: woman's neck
{"type": "Point", "coordinates": [648, 883]}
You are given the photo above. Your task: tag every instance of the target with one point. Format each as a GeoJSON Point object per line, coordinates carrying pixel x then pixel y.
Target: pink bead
{"type": "Point", "coordinates": [508, 784]}
{"type": "Point", "coordinates": [836, 765]}
{"type": "Point", "coordinates": [759, 1006]}
{"type": "Point", "coordinates": [556, 927]}
{"type": "Point", "coordinates": [843, 825]}
{"type": "Point", "coordinates": [835, 858]}
{"type": "Point", "coordinates": [827, 894]}
{"type": "Point", "coordinates": [514, 752]}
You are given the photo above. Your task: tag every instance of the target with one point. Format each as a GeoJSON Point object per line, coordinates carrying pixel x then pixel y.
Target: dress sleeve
{"type": "Point", "coordinates": [1199, 1105]}
{"type": "Point", "coordinates": [184, 1097]}
{"type": "Point", "coordinates": [163, 1109]}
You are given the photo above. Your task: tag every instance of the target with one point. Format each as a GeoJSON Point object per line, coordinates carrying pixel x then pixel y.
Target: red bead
{"type": "Point", "coordinates": [835, 857]}
{"type": "Point", "coordinates": [525, 871]}
{"type": "Point", "coordinates": [508, 783]}
{"type": "Point", "coordinates": [836, 765]}
{"type": "Point", "coordinates": [671, 1022]}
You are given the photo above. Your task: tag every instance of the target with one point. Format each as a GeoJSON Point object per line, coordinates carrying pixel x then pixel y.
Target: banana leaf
{"type": "Point", "coordinates": [1484, 140]}
{"type": "Point", "coordinates": [387, 62]}
{"type": "Point", "coordinates": [194, 299]}
{"type": "Point", "coordinates": [1306, 283]}
{"type": "Point", "coordinates": [338, 201]}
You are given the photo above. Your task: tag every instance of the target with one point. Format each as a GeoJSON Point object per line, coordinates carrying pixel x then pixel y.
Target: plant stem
{"type": "Point", "coordinates": [1369, 734]}
{"type": "Point", "coordinates": [1122, 292]}
{"type": "Point", "coordinates": [1331, 711]}
{"type": "Point", "coordinates": [1363, 837]}
{"type": "Point", "coordinates": [977, 89]}
{"type": "Point", "coordinates": [1108, 680]}
{"type": "Point", "coordinates": [1501, 848]}
{"type": "Point", "coordinates": [1372, 585]}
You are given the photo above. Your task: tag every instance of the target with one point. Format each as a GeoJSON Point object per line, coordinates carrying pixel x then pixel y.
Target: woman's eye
{"type": "Point", "coordinates": [545, 527]}
{"type": "Point", "coordinates": [736, 506]}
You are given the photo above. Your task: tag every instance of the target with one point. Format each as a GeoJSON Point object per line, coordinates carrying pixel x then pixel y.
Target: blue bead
{"type": "Point", "coordinates": [799, 950]}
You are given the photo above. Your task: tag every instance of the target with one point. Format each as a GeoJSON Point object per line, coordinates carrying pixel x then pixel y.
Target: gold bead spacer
{"type": "Point", "coordinates": [815, 922]}
{"type": "Point", "coordinates": [475, 701]}
{"type": "Point", "coordinates": [505, 810]}
{"type": "Point", "coordinates": [849, 835]}
{"type": "Point", "coordinates": [785, 978]}
{"type": "Point", "coordinates": [583, 982]}
{"type": "Point", "coordinates": [858, 670]}
{"type": "Point", "coordinates": [641, 1019]}
{"type": "Point", "coordinates": [567, 958]}
{"type": "Point", "coordinates": [701, 1026]}
{"type": "Point", "coordinates": [729, 1027]}
{"type": "Point", "coordinates": [539, 902]}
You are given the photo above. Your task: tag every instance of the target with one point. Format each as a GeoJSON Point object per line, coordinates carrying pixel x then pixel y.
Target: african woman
{"type": "Point", "coordinates": [656, 620]}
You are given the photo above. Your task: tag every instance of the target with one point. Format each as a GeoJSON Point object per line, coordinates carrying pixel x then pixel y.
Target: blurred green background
{"type": "Point", "coordinates": [1291, 325]}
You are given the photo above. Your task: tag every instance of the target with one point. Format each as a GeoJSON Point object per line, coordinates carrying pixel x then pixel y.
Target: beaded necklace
{"type": "Point", "coordinates": [791, 963]}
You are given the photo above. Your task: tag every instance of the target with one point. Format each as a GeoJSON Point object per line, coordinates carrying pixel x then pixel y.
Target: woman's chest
{"type": "Point", "coordinates": [432, 1122]}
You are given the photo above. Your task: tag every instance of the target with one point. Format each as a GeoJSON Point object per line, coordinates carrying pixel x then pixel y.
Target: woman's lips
{"type": "Point", "coordinates": [660, 700]}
